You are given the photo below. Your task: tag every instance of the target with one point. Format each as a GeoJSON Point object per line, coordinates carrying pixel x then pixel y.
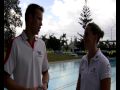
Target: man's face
{"type": "Point", "coordinates": [36, 21]}
{"type": "Point", "coordinates": [89, 38]}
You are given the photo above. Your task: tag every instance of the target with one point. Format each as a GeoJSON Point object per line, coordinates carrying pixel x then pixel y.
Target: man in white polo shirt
{"type": "Point", "coordinates": [26, 58]}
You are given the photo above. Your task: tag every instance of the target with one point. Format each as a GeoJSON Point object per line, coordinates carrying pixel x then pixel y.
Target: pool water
{"type": "Point", "coordinates": [64, 75]}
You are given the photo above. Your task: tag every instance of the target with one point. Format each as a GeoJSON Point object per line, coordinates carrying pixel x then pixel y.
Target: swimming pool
{"type": "Point", "coordinates": [64, 75]}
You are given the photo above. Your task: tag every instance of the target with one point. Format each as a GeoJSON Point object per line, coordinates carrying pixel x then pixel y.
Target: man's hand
{"type": "Point", "coordinates": [44, 87]}
{"type": "Point", "coordinates": [45, 80]}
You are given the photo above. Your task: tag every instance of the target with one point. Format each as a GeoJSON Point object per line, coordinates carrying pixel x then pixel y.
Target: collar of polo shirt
{"type": "Point", "coordinates": [24, 36]}
{"type": "Point", "coordinates": [95, 58]}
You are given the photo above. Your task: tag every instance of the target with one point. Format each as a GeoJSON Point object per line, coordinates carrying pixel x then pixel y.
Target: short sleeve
{"type": "Point", "coordinates": [45, 65]}
{"type": "Point", "coordinates": [105, 71]}
{"type": "Point", "coordinates": [10, 63]}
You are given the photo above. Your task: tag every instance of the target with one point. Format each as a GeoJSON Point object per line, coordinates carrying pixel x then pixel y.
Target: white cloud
{"type": "Point", "coordinates": [67, 12]}
{"type": "Point", "coordinates": [64, 15]}
{"type": "Point", "coordinates": [104, 14]}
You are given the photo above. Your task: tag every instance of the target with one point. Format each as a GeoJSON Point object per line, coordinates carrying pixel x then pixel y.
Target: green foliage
{"type": "Point", "coordinates": [63, 42]}
{"type": "Point", "coordinates": [80, 44]}
{"type": "Point", "coordinates": [107, 45]}
{"type": "Point", "coordinates": [52, 57]}
{"type": "Point", "coordinates": [53, 43]}
{"type": "Point", "coordinates": [12, 14]}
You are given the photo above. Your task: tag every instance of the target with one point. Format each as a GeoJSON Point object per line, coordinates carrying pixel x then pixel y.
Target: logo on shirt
{"type": "Point", "coordinates": [93, 70]}
{"type": "Point", "coordinates": [39, 53]}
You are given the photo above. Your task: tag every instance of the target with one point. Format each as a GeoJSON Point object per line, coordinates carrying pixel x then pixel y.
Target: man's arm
{"type": "Point", "coordinates": [10, 84]}
{"type": "Point", "coordinates": [78, 83]}
{"type": "Point", "coordinates": [45, 80]}
{"type": "Point", "coordinates": [105, 84]}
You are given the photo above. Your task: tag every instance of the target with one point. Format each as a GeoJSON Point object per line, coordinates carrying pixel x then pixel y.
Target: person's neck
{"type": "Point", "coordinates": [29, 34]}
{"type": "Point", "coordinates": [92, 52]}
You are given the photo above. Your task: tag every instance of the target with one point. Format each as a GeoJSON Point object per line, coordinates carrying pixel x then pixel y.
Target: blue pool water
{"type": "Point", "coordinates": [64, 75]}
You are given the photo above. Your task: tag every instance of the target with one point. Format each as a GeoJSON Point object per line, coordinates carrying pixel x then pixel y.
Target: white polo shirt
{"type": "Point", "coordinates": [27, 63]}
{"type": "Point", "coordinates": [98, 69]}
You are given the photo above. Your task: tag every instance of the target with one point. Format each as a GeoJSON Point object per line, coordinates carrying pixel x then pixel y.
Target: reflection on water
{"type": "Point", "coordinates": [64, 75]}
{"type": "Point", "coordinates": [113, 81]}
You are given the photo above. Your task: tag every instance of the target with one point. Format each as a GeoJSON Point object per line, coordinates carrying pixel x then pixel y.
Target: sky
{"type": "Point", "coordinates": [62, 16]}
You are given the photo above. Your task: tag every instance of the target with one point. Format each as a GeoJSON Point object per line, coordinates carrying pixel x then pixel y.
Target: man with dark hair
{"type": "Point", "coordinates": [26, 58]}
{"type": "Point", "coordinates": [31, 10]}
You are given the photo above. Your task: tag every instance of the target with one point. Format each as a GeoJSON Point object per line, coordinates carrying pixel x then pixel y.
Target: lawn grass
{"type": "Point", "coordinates": [57, 57]}
{"type": "Point", "coordinates": [52, 57]}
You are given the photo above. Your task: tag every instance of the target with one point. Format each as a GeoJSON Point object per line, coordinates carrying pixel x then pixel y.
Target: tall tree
{"type": "Point", "coordinates": [84, 20]}
{"type": "Point", "coordinates": [53, 43]}
{"type": "Point", "coordinates": [63, 40]}
{"type": "Point", "coordinates": [43, 37]}
{"type": "Point", "coordinates": [85, 15]}
{"type": "Point", "coordinates": [12, 14]}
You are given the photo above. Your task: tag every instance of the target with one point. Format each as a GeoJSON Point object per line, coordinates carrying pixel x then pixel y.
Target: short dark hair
{"type": "Point", "coordinates": [31, 10]}
{"type": "Point", "coordinates": [96, 30]}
